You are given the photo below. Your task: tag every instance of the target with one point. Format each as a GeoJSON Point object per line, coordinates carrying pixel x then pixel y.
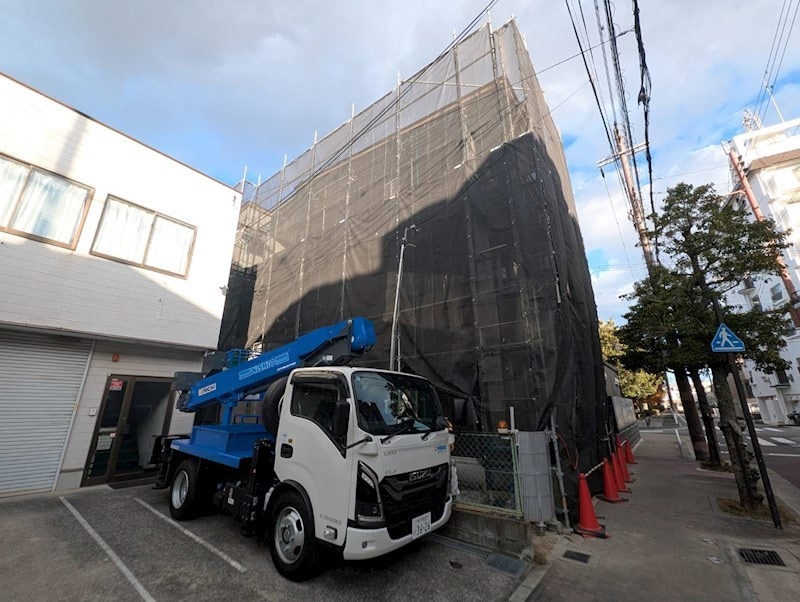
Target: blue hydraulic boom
{"type": "Point", "coordinates": [335, 344]}
{"type": "Point", "coordinates": [235, 375]}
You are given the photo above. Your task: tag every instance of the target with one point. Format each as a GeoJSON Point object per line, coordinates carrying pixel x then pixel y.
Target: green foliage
{"type": "Point", "coordinates": [711, 247]}
{"type": "Point", "coordinates": [703, 234]}
{"type": "Point", "coordinates": [610, 345]}
{"type": "Point", "coordinates": [637, 383]}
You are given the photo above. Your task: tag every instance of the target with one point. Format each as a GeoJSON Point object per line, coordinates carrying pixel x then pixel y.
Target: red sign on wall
{"type": "Point", "coordinates": [116, 384]}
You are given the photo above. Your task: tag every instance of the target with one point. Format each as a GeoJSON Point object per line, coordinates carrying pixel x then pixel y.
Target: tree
{"type": "Point", "coordinates": [712, 246]}
{"type": "Point", "coordinates": [663, 309]}
{"type": "Point", "coordinates": [639, 385]}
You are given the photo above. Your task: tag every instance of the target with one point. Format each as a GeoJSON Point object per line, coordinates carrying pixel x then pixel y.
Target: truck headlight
{"type": "Point", "coordinates": [369, 509]}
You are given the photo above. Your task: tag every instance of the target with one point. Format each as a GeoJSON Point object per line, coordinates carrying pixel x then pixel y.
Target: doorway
{"type": "Point", "coordinates": [135, 410]}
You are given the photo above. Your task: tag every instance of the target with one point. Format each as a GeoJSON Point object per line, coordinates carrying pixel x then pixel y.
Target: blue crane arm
{"type": "Point", "coordinates": [336, 344]}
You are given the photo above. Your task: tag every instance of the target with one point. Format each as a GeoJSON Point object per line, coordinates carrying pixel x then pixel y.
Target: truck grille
{"type": "Point", "coordinates": [408, 495]}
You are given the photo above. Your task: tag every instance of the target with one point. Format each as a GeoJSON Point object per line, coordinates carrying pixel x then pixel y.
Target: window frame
{"type": "Point", "coordinates": [142, 264]}
{"type": "Point", "coordinates": [318, 378]}
{"type": "Point", "coordinates": [87, 203]}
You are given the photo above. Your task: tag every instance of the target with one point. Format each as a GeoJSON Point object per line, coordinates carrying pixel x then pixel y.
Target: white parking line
{"type": "Point", "coordinates": [782, 440]}
{"type": "Point", "coordinates": [109, 552]}
{"type": "Point", "coordinates": [191, 535]}
{"type": "Point", "coordinates": [786, 455]}
{"type": "Point", "coordinates": [766, 428]}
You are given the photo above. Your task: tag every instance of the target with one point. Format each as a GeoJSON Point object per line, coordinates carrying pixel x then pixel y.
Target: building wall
{"type": "Point", "coordinates": [158, 322]}
{"type": "Point", "coordinates": [60, 289]}
{"type": "Point", "coordinates": [771, 158]}
{"type": "Point", "coordinates": [134, 360]}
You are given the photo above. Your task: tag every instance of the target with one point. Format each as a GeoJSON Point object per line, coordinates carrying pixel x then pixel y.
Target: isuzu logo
{"type": "Point", "coordinates": [418, 475]}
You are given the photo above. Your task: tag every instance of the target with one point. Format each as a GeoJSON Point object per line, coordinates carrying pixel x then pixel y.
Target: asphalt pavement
{"type": "Point", "coordinates": [779, 444]}
{"type": "Point", "coordinates": [99, 543]}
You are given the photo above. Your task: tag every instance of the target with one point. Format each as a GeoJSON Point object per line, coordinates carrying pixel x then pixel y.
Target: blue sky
{"type": "Point", "coordinates": [221, 86]}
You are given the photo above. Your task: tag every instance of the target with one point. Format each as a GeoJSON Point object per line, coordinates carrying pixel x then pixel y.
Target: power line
{"type": "Point", "coordinates": [772, 72]}
{"type": "Point", "coordinates": [589, 74]}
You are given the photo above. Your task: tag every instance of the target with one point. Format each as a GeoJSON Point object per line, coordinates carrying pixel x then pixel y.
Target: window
{"type": "Point", "coordinates": [776, 292]}
{"type": "Point", "coordinates": [315, 398]}
{"type": "Point", "coordinates": [144, 238]}
{"type": "Point", "coordinates": [39, 204]}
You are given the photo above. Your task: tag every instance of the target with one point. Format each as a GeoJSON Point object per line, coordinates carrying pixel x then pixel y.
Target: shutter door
{"type": "Point", "coordinates": [40, 378]}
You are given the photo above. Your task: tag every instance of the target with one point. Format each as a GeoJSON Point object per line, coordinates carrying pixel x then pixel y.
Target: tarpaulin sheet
{"type": "Point", "coordinates": [496, 305]}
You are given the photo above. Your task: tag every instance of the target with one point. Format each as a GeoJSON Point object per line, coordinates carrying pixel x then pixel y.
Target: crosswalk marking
{"type": "Point", "coordinates": [766, 443]}
{"type": "Point", "coordinates": [782, 440]}
{"type": "Point", "coordinates": [766, 428]}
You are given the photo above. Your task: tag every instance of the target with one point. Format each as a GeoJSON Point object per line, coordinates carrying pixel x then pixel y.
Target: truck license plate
{"type": "Point", "coordinates": [420, 525]}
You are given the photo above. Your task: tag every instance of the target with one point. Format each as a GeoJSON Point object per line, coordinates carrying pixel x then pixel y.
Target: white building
{"type": "Point", "coordinates": [771, 159]}
{"type": "Point", "coordinates": [114, 260]}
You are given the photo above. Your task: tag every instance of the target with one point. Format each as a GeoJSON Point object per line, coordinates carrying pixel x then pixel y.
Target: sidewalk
{"type": "Point", "coordinates": [671, 541]}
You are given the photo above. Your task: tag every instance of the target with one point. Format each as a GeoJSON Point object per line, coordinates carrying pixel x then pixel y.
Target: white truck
{"type": "Point", "coordinates": [352, 459]}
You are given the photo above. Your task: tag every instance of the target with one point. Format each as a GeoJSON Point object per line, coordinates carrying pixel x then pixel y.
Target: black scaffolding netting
{"type": "Point", "coordinates": [496, 305]}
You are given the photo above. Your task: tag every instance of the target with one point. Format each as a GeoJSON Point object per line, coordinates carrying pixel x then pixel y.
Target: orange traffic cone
{"type": "Point", "coordinates": [610, 493]}
{"type": "Point", "coordinates": [629, 459]}
{"type": "Point", "coordinates": [621, 487]}
{"type": "Point", "coordinates": [623, 465]}
{"type": "Point", "coordinates": [587, 520]}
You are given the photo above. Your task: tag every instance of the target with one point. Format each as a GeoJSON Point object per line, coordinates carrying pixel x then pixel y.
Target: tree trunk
{"type": "Point", "coordinates": [708, 419]}
{"type": "Point", "coordinates": [692, 417]}
{"type": "Point", "coordinates": [746, 477]}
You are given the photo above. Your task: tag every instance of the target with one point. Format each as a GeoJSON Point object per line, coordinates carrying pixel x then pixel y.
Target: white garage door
{"type": "Point", "coordinates": [40, 379]}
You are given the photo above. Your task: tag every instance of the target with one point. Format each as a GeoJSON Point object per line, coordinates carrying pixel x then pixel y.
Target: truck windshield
{"type": "Point", "coordinates": [386, 401]}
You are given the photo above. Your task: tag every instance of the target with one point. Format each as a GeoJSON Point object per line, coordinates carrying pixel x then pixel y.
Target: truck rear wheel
{"type": "Point", "coordinates": [292, 542]}
{"type": "Point", "coordinates": [183, 492]}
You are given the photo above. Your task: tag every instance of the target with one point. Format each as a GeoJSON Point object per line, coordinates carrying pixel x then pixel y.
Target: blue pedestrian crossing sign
{"type": "Point", "coordinates": [725, 341]}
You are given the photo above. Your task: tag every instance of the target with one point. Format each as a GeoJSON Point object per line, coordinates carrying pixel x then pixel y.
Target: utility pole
{"type": "Point", "coordinates": [637, 208]}
{"type": "Point", "coordinates": [624, 155]}
{"type": "Point", "coordinates": [394, 349]}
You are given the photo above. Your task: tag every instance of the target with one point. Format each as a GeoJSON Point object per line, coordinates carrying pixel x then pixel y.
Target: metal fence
{"type": "Point", "coordinates": [488, 472]}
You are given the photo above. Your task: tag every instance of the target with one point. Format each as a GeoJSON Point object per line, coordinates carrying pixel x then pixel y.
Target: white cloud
{"type": "Point", "coordinates": [223, 85]}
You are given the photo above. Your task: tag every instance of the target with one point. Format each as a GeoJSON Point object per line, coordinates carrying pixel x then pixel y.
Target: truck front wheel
{"type": "Point", "coordinates": [183, 492]}
{"type": "Point", "coordinates": [292, 543]}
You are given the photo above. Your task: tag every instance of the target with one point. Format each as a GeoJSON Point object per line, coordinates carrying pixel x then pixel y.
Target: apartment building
{"type": "Point", "coordinates": [770, 158]}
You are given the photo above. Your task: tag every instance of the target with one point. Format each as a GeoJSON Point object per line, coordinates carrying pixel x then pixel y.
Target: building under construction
{"type": "Point", "coordinates": [495, 305]}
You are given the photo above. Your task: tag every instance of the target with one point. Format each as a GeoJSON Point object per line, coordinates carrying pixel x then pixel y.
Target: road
{"type": "Point", "coordinates": [779, 444]}
{"type": "Point", "coordinates": [102, 544]}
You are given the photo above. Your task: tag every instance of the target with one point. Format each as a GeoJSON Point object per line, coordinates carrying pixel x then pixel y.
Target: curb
{"type": "Point", "coordinates": [537, 573]}
{"type": "Point", "coordinates": [784, 490]}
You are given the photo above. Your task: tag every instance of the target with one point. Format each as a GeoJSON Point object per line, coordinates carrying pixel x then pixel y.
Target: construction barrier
{"type": "Point", "coordinates": [615, 466]}
{"type": "Point", "coordinates": [587, 521]}
{"type": "Point", "coordinates": [610, 491]}
{"type": "Point", "coordinates": [623, 464]}
{"type": "Point", "coordinates": [629, 453]}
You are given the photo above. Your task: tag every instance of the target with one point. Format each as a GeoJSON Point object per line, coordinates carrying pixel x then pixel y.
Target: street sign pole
{"type": "Point", "coordinates": [725, 341]}
{"type": "Point", "coordinates": [751, 428]}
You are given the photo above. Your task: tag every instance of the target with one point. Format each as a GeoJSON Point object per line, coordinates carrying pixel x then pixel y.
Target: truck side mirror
{"type": "Point", "coordinates": [341, 418]}
{"type": "Point", "coordinates": [441, 423]}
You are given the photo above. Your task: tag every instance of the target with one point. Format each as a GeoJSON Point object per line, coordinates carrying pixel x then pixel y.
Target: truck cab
{"type": "Point", "coordinates": [384, 479]}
